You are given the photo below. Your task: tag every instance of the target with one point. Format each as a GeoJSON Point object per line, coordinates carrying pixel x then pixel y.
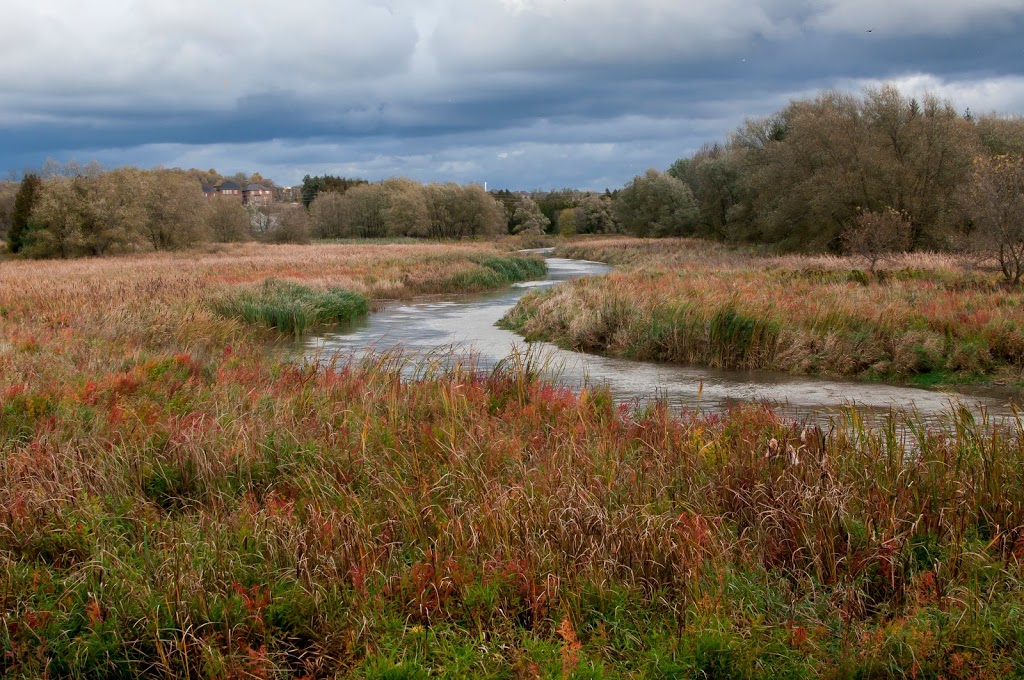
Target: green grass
{"type": "Point", "coordinates": [496, 271]}
{"type": "Point", "coordinates": [514, 268]}
{"type": "Point", "coordinates": [290, 307]}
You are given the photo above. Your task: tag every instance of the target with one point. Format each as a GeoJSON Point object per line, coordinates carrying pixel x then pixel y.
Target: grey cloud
{"type": "Point", "coordinates": [512, 36]}
{"type": "Point", "coordinates": [192, 51]}
{"type": "Point", "coordinates": [572, 91]}
{"type": "Point", "coordinates": [912, 17]}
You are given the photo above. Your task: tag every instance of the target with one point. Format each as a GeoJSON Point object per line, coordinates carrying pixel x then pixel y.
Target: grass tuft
{"type": "Point", "coordinates": [291, 307]}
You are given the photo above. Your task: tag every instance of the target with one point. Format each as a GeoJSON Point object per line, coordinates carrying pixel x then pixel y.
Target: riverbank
{"type": "Point", "coordinates": [177, 502]}
{"type": "Point", "coordinates": [924, 320]}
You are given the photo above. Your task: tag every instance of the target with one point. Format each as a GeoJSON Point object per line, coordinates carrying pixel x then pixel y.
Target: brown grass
{"type": "Point", "coordinates": [692, 302]}
{"type": "Point", "coordinates": [177, 502]}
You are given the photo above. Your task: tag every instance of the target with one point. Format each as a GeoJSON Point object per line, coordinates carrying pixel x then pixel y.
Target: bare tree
{"type": "Point", "coordinates": [875, 235]}
{"type": "Point", "coordinates": [994, 202]}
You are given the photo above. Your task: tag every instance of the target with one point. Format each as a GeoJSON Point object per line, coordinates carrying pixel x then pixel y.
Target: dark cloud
{"type": "Point", "coordinates": [520, 93]}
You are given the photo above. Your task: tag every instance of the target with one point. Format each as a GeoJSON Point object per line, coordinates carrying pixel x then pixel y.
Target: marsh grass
{"type": "Point", "coordinates": [921, 318]}
{"type": "Point", "coordinates": [291, 307]}
{"type": "Point", "coordinates": [177, 502]}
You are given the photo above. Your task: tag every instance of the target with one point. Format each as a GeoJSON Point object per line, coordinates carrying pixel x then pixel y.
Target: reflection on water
{"type": "Point", "coordinates": [466, 325]}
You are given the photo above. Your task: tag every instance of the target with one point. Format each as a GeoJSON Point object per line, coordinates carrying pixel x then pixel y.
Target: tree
{"type": "Point", "coordinates": [508, 201]}
{"type": "Point", "coordinates": [567, 222]}
{"type": "Point", "coordinates": [327, 212]}
{"type": "Point", "coordinates": [262, 219]}
{"type": "Point", "coordinates": [312, 186]}
{"type": "Point", "coordinates": [113, 210]}
{"type": "Point", "coordinates": [364, 212]}
{"type": "Point", "coordinates": [406, 213]}
{"type": "Point", "coordinates": [595, 215]}
{"type": "Point", "coordinates": [58, 216]}
{"type": "Point", "coordinates": [553, 202]}
{"type": "Point", "coordinates": [227, 220]}
{"type": "Point", "coordinates": [476, 213]}
{"type": "Point", "coordinates": [1001, 135]}
{"type": "Point", "coordinates": [713, 175]}
{"type": "Point", "coordinates": [52, 168]}
{"type": "Point", "coordinates": [457, 212]}
{"type": "Point", "coordinates": [91, 213]}
{"type": "Point", "coordinates": [8, 192]}
{"type": "Point", "coordinates": [292, 225]}
{"type": "Point", "coordinates": [657, 204]}
{"type": "Point", "coordinates": [21, 217]}
{"type": "Point", "coordinates": [175, 211]}
{"type": "Point", "coordinates": [527, 217]}
{"type": "Point", "coordinates": [874, 235]}
{"type": "Point", "coordinates": [922, 154]}
{"type": "Point", "coordinates": [994, 202]}
{"type": "Point", "coordinates": [804, 174]}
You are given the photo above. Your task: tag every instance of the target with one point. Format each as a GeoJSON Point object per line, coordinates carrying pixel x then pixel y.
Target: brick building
{"type": "Point", "coordinates": [257, 194]}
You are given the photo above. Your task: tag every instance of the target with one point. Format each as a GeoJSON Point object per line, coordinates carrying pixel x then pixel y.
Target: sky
{"type": "Point", "coordinates": [521, 94]}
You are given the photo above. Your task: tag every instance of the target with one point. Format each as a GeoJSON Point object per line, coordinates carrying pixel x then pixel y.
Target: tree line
{"type": "Point", "coordinates": [77, 211]}
{"type": "Point", "coordinates": [73, 210]}
{"type": "Point", "coordinates": [846, 173]}
{"type": "Point", "coordinates": [403, 207]}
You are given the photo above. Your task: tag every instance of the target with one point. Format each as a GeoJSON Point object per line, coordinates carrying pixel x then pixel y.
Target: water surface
{"type": "Point", "coordinates": [465, 325]}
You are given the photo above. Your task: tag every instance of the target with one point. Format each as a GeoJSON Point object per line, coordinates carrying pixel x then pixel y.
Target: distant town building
{"type": "Point", "coordinates": [257, 194]}
{"type": "Point", "coordinates": [289, 194]}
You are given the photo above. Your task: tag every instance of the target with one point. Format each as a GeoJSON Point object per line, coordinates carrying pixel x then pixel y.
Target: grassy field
{"type": "Point", "coordinates": [176, 502]}
{"type": "Point", "coordinates": [927, 320]}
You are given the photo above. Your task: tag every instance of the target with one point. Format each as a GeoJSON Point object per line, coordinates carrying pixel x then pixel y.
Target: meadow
{"type": "Point", "coordinates": [924, 318]}
{"type": "Point", "coordinates": [176, 501]}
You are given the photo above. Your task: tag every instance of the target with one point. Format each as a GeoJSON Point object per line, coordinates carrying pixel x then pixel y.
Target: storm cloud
{"type": "Point", "coordinates": [519, 93]}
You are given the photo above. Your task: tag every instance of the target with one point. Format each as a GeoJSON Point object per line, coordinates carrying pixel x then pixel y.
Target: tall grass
{"type": "Point", "coordinates": [176, 502]}
{"type": "Point", "coordinates": [493, 271]}
{"type": "Point", "coordinates": [928, 318]}
{"type": "Point", "coordinates": [290, 307]}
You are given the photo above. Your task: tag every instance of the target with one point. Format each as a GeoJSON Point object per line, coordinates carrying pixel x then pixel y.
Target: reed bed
{"type": "Point", "coordinates": [177, 502]}
{"type": "Point", "coordinates": [291, 307]}
{"type": "Point", "coordinates": [926, 317]}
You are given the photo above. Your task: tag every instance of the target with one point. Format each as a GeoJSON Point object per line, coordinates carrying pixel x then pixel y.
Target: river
{"type": "Point", "coordinates": [461, 325]}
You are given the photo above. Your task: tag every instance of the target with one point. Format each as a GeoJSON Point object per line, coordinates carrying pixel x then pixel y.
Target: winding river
{"type": "Point", "coordinates": [465, 325]}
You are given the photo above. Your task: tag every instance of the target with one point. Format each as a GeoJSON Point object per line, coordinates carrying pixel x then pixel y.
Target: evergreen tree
{"type": "Point", "coordinates": [24, 202]}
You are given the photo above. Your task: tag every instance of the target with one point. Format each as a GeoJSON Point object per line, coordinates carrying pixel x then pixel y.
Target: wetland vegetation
{"type": "Point", "coordinates": [921, 318]}
{"type": "Point", "coordinates": [177, 502]}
